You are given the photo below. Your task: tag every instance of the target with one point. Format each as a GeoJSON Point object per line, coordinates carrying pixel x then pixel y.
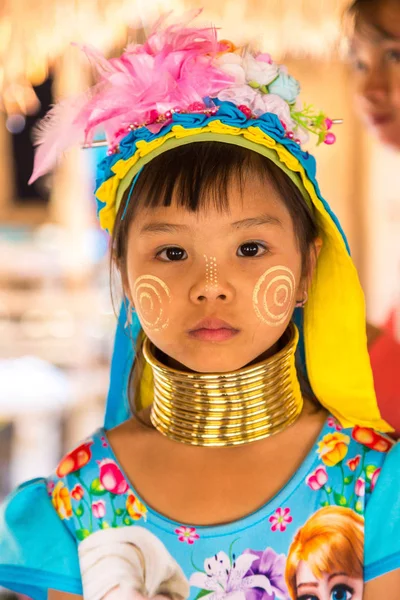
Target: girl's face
{"type": "Point", "coordinates": [334, 586]}
{"type": "Point", "coordinates": [375, 56]}
{"type": "Point", "coordinates": [214, 290]}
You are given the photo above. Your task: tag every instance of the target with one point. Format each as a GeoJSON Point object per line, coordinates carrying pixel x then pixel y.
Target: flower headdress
{"type": "Point", "coordinates": [184, 86]}
{"type": "Point", "coordinates": [178, 70]}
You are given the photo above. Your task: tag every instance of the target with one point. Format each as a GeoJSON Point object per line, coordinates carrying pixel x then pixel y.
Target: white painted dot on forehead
{"type": "Point", "coordinates": [273, 295]}
{"type": "Point", "coordinates": [151, 297]}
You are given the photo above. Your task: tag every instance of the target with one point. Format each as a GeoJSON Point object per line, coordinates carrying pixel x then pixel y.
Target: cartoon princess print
{"type": "Point", "coordinates": [325, 559]}
{"type": "Point", "coordinates": [129, 563]}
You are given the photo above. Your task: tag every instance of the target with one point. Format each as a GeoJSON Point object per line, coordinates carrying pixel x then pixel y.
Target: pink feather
{"type": "Point", "coordinates": [173, 68]}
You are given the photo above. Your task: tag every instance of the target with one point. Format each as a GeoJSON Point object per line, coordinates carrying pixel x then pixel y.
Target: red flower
{"type": "Point", "coordinates": [354, 462]}
{"type": "Point", "coordinates": [372, 439]}
{"type": "Point", "coordinates": [77, 493]}
{"type": "Point", "coordinates": [75, 460]}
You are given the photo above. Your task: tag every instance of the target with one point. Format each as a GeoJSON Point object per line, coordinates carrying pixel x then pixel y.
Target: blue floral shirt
{"type": "Point", "coordinates": [319, 535]}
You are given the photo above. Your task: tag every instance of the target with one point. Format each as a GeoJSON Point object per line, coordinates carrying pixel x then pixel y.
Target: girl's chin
{"type": "Point", "coordinates": [212, 366]}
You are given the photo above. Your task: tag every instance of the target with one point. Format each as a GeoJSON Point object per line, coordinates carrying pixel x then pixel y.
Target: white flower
{"type": "Point", "coordinates": [224, 579]}
{"type": "Point", "coordinates": [241, 94]}
{"type": "Point", "coordinates": [232, 64]}
{"type": "Point", "coordinates": [259, 71]}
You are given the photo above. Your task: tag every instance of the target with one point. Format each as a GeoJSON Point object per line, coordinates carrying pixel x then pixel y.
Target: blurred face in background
{"type": "Point", "coordinates": [375, 58]}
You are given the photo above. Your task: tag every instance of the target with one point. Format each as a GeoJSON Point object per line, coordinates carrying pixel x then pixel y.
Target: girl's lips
{"type": "Point", "coordinates": [380, 120]}
{"type": "Point", "coordinates": [213, 335]}
{"type": "Point", "coordinates": [213, 330]}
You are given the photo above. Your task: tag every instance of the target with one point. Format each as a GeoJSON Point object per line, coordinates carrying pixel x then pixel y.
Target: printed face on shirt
{"type": "Point", "coordinates": [333, 586]}
{"type": "Point", "coordinates": [215, 289]}
{"type": "Point", "coordinates": [375, 57]}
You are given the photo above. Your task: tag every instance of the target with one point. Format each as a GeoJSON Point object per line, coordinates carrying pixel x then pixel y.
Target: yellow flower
{"type": "Point", "coordinates": [333, 448]}
{"type": "Point", "coordinates": [135, 508]}
{"type": "Point", "coordinates": [61, 501]}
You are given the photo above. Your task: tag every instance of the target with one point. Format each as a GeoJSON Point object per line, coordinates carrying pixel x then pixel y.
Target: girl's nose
{"type": "Point", "coordinates": [211, 285]}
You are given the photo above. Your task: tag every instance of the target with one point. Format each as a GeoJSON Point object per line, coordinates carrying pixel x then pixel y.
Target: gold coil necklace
{"type": "Point", "coordinates": [227, 409]}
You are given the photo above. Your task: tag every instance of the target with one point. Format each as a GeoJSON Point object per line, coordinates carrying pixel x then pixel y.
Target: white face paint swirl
{"type": "Point", "coordinates": [273, 295]}
{"type": "Point", "coordinates": [152, 296]}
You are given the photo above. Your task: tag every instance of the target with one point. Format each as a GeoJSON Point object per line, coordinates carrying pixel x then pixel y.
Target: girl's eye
{"type": "Point", "coordinates": [173, 253]}
{"type": "Point", "coordinates": [250, 249]}
{"type": "Point", "coordinates": [393, 56]}
{"type": "Point", "coordinates": [360, 66]}
{"type": "Point", "coordinates": [341, 592]}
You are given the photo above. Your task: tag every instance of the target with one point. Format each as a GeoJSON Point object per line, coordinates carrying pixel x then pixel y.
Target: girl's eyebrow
{"type": "Point", "coordinates": [255, 221]}
{"type": "Point", "coordinates": [159, 227]}
{"type": "Point", "coordinates": [308, 583]}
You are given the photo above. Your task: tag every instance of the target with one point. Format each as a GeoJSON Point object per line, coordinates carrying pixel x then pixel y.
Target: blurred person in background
{"type": "Point", "coordinates": [375, 58]}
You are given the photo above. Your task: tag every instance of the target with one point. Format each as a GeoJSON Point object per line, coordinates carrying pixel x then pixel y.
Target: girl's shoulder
{"type": "Point", "coordinates": [86, 486]}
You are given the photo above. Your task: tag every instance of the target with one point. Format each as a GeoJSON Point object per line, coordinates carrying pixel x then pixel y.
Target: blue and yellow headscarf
{"type": "Point", "coordinates": [334, 329]}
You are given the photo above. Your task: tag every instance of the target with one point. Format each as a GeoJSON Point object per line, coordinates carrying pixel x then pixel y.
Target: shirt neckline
{"type": "Point", "coordinates": [278, 501]}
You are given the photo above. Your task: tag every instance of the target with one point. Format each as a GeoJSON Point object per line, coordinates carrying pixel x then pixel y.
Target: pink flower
{"type": "Point", "coordinates": [99, 509]}
{"type": "Point", "coordinates": [353, 463]}
{"type": "Point", "coordinates": [50, 487]}
{"type": "Point", "coordinates": [280, 519]}
{"type": "Point", "coordinates": [360, 487]}
{"type": "Point", "coordinates": [264, 57]}
{"type": "Point", "coordinates": [333, 423]}
{"type": "Point", "coordinates": [374, 479]}
{"type": "Point", "coordinates": [318, 479]}
{"type": "Point", "coordinates": [187, 534]}
{"type": "Point", "coordinates": [111, 477]}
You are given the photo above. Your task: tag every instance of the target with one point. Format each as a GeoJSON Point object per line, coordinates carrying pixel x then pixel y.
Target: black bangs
{"type": "Point", "coordinates": [197, 176]}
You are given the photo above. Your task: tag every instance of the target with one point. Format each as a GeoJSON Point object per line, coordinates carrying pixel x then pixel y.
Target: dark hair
{"type": "Point", "coordinates": [199, 174]}
{"type": "Point", "coordinates": [362, 8]}
{"type": "Point", "coordinates": [358, 5]}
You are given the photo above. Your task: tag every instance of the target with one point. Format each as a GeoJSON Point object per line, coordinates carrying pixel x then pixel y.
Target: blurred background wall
{"type": "Point", "coordinates": [56, 317]}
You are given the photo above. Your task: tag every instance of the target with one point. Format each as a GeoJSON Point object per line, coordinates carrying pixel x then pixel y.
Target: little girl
{"type": "Point", "coordinates": [223, 242]}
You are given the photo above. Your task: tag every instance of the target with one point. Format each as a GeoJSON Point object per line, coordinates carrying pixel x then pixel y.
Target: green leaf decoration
{"type": "Point", "coordinates": [328, 489]}
{"type": "Point", "coordinates": [119, 512]}
{"type": "Point", "coordinates": [80, 510]}
{"type": "Point", "coordinates": [105, 525]}
{"type": "Point", "coordinates": [254, 85]}
{"type": "Point", "coordinates": [348, 479]}
{"type": "Point", "coordinates": [326, 503]}
{"type": "Point", "coordinates": [359, 507]}
{"type": "Point", "coordinates": [202, 593]}
{"type": "Point", "coordinates": [340, 500]}
{"type": "Point", "coordinates": [82, 534]}
{"type": "Point", "coordinates": [264, 89]}
{"type": "Point", "coordinates": [96, 488]}
{"type": "Point", "coordinates": [128, 521]}
{"type": "Point", "coordinates": [369, 471]}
